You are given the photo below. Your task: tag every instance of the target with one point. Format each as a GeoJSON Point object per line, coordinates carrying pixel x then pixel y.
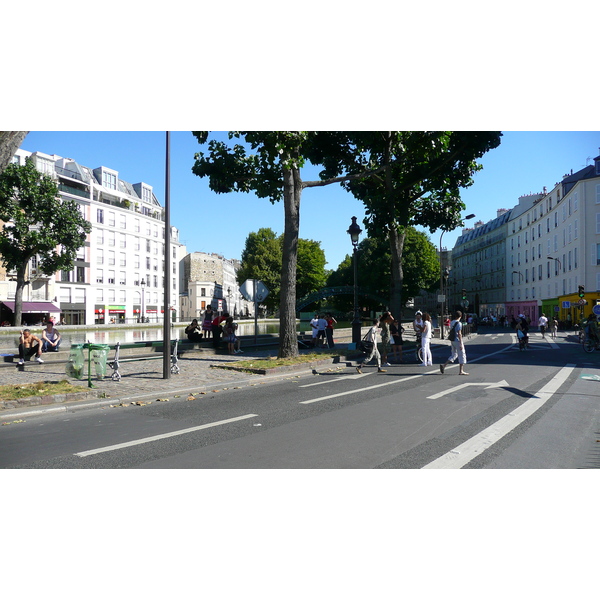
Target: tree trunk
{"type": "Point", "coordinates": [292, 190]}
{"type": "Point", "coordinates": [19, 297]}
{"type": "Point", "coordinates": [10, 141]}
{"type": "Point", "coordinates": [396, 248]}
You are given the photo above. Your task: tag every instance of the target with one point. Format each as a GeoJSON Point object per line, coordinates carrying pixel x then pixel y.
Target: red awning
{"type": "Point", "coordinates": [33, 307]}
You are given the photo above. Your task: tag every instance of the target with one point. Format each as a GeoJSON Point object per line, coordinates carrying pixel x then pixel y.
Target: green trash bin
{"type": "Point", "coordinates": [76, 362]}
{"type": "Point", "coordinates": [100, 356]}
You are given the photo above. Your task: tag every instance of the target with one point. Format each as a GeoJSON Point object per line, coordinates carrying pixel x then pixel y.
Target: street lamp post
{"type": "Point", "coordinates": [446, 272]}
{"type": "Point", "coordinates": [143, 284]}
{"type": "Point", "coordinates": [354, 231]}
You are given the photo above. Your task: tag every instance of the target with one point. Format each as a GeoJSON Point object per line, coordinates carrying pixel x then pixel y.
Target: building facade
{"type": "Point", "coordinates": [119, 273]}
{"type": "Point", "coordinates": [479, 268]}
{"type": "Point", "coordinates": [210, 280]}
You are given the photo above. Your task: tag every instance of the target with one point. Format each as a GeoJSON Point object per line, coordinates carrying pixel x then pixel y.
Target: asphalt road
{"type": "Point", "coordinates": [515, 410]}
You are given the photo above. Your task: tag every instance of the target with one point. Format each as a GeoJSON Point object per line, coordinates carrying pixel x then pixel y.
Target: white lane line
{"type": "Point", "coordinates": [345, 378]}
{"type": "Point", "coordinates": [466, 452]}
{"type": "Point", "coordinates": [360, 390]}
{"type": "Point", "coordinates": [161, 436]}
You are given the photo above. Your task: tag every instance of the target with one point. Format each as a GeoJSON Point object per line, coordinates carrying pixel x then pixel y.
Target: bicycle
{"type": "Point", "coordinates": [418, 348]}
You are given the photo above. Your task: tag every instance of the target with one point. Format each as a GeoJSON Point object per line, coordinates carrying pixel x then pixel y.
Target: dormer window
{"type": "Point", "coordinates": [109, 180]}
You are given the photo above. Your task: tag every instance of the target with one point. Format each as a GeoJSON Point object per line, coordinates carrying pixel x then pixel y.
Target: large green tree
{"type": "Point", "coordinates": [270, 164]}
{"type": "Point", "coordinates": [421, 267]}
{"type": "Point", "coordinates": [262, 259]}
{"type": "Point", "coordinates": [419, 182]}
{"type": "Point", "coordinates": [36, 222]}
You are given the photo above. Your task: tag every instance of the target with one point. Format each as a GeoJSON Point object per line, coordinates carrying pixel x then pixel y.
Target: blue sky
{"type": "Point", "coordinates": [524, 163]}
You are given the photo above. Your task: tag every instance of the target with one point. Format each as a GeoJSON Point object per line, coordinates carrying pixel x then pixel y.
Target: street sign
{"type": "Point", "coordinates": [582, 302]}
{"type": "Point", "coordinates": [441, 298]}
{"type": "Point", "coordinates": [566, 304]}
{"type": "Point", "coordinates": [254, 290]}
{"type": "Point", "coordinates": [596, 309]}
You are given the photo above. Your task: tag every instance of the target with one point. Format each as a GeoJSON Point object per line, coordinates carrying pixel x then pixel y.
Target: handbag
{"type": "Point", "coordinates": [365, 346]}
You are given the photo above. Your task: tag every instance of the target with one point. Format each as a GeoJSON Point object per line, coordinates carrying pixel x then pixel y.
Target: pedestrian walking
{"type": "Point", "coordinates": [554, 327]}
{"type": "Point", "coordinates": [457, 345]}
{"type": "Point", "coordinates": [321, 326]}
{"type": "Point", "coordinates": [372, 338]}
{"type": "Point", "coordinates": [384, 322]}
{"type": "Point", "coordinates": [426, 341]}
{"type": "Point", "coordinates": [314, 325]}
{"type": "Point", "coordinates": [542, 324]}
{"type": "Point", "coordinates": [329, 329]}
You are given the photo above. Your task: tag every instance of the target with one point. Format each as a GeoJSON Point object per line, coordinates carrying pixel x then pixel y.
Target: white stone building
{"type": "Point", "coordinates": [119, 272]}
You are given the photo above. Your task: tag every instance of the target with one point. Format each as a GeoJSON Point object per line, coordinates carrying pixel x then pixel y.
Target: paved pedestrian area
{"type": "Point", "coordinates": [144, 379]}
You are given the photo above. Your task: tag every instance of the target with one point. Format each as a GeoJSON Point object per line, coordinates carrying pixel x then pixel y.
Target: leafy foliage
{"type": "Point", "coordinates": [37, 222]}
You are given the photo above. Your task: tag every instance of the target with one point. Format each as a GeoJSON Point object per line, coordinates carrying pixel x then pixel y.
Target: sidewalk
{"type": "Point", "coordinates": [143, 380]}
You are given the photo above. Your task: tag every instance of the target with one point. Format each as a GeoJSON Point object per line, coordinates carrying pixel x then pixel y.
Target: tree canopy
{"type": "Point", "coordinates": [36, 222]}
{"type": "Point", "coordinates": [420, 265]}
{"type": "Point", "coordinates": [419, 182]}
{"type": "Point", "coordinates": [262, 259]}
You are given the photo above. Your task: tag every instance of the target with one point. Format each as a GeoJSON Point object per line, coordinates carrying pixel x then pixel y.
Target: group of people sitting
{"type": "Point", "coordinates": [30, 344]}
{"type": "Point", "coordinates": [222, 325]}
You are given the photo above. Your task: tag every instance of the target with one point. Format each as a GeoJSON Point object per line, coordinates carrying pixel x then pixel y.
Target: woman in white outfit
{"type": "Point", "coordinates": [458, 347]}
{"type": "Point", "coordinates": [426, 341]}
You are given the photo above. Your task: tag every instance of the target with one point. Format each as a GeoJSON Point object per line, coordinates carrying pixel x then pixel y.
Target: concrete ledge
{"type": "Point", "coordinates": [50, 399]}
{"type": "Point", "coordinates": [283, 369]}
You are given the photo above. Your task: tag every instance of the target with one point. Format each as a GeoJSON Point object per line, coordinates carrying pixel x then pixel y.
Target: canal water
{"type": "Point", "coordinates": [125, 334]}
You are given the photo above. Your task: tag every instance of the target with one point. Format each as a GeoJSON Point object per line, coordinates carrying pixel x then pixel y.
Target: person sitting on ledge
{"type": "Point", "coordinates": [50, 338]}
{"type": "Point", "coordinates": [193, 331]}
{"type": "Point", "coordinates": [28, 346]}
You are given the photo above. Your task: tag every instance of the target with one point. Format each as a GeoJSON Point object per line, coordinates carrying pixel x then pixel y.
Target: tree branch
{"type": "Point", "coordinates": [322, 182]}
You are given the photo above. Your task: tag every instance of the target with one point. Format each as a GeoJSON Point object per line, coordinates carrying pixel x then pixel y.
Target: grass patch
{"type": "Point", "coordinates": [41, 388]}
{"type": "Point", "coordinates": [270, 362]}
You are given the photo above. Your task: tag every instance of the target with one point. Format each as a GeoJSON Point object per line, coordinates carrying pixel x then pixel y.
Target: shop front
{"type": "Point", "coordinates": [33, 313]}
{"type": "Point", "coordinates": [99, 314]}
{"type": "Point", "coordinates": [572, 308]}
{"type": "Point", "coordinates": [116, 314]}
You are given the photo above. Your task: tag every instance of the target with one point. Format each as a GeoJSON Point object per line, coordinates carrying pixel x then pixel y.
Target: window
{"type": "Point", "coordinates": [99, 295]}
{"type": "Point", "coordinates": [100, 236]}
{"type": "Point", "coordinates": [111, 219]}
{"type": "Point", "coordinates": [148, 264]}
{"type": "Point", "coordinates": [136, 262]}
{"type": "Point", "coordinates": [111, 277]}
{"type": "Point", "coordinates": [122, 240]}
{"type": "Point", "coordinates": [122, 296]}
{"type": "Point", "coordinates": [80, 274]}
{"type": "Point", "coordinates": [79, 295]}
{"type": "Point", "coordinates": [597, 193]}
{"type": "Point", "coordinates": [122, 259]}
{"type": "Point", "coordinates": [111, 296]}
{"type": "Point", "coordinates": [100, 215]}
{"type": "Point", "coordinates": [99, 275]}
{"type": "Point", "coordinates": [111, 238]}
{"type": "Point", "coordinates": [146, 195]}
{"type": "Point", "coordinates": [122, 222]}
{"type": "Point", "coordinates": [575, 229]}
{"type": "Point", "coordinates": [136, 225]}
{"type": "Point", "coordinates": [575, 257]}
{"type": "Point", "coordinates": [65, 295]}
{"type": "Point", "coordinates": [109, 180]}
{"type": "Point", "coordinates": [111, 257]}
{"type": "Point", "coordinates": [136, 243]}
{"type": "Point", "coordinates": [148, 246]}
{"type": "Point", "coordinates": [100, 256]}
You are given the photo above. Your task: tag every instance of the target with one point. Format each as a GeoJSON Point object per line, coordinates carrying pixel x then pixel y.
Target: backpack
{"type": "Point", "coordinates": [452, 333]}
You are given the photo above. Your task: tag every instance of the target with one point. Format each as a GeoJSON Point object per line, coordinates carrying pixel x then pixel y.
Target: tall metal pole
{"type": "Point", "coordinates": [167, 276]}
{"type": "Point", "coordinates": [356, 323]}
{"type": "Point", "coordinates": [441, 289]}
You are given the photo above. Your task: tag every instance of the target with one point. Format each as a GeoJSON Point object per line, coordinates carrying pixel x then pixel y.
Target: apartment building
{"type": "Point", "coordinates": [533, 257]}
{"type": "Point", "coordinates": [479, 267]}
{"type": "Point", "coordinates": [209, 279]}
{"type": "Point", "coordinates": [119, 274]}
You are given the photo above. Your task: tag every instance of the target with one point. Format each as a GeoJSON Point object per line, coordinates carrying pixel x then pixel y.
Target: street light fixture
{"type": "Point", "coordinates": [558, 261]}
{"type": "Point", "coordinates": [354, 231]}
{"type": "Point", "coordinates": [519, 274]}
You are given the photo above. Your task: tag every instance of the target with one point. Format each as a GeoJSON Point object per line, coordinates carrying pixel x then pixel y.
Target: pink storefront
{"type": "Point", "coordinates": [528, 308]}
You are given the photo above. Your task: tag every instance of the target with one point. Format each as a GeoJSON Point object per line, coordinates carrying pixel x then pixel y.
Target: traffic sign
{"type": "Point", "coordinates": [254, 290]}
{"type": "Point", "coordinates": [596, 309]}
{"type": "Point", "coordinates": [582, 301]}
{"type": "Point", "coordinates": [566, 304]}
